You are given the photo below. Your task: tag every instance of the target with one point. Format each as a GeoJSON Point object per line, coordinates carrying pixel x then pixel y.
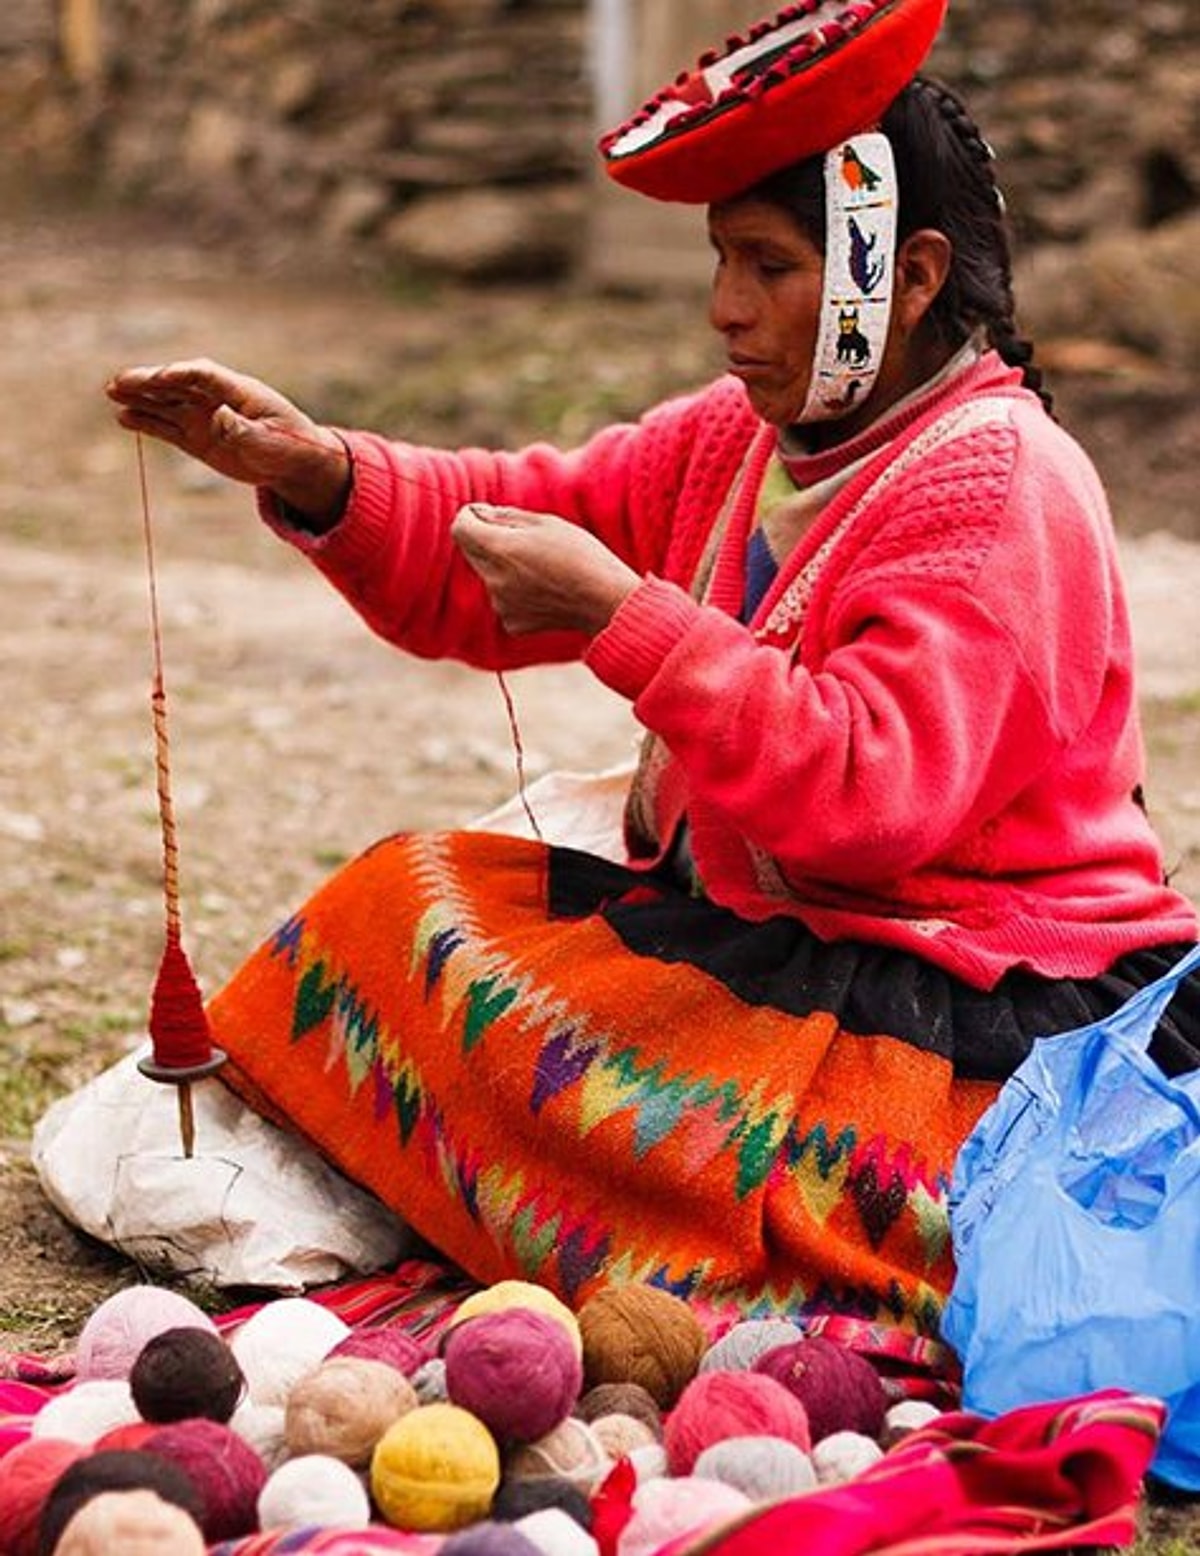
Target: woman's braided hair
{"type": "Point", "coordinates": [945, 172]}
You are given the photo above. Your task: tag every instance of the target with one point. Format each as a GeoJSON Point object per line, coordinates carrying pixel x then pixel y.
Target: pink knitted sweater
{"type": "Point", "coordinates": [927, 737]}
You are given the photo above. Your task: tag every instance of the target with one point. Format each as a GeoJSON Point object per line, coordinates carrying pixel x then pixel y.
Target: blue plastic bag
{"type": "Point", "coordinates": [1075, 1219]}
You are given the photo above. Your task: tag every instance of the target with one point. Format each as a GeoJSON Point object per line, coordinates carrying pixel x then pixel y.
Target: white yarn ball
{"type": "Point", "coordinates": [314, 1489]}
{"type": "Point", "coordinates": [87, 1411]}
{"type": "Point", "coordinates": [843, 1455]}
{"type": "Point", "coordinates": [909, 1415]}
{"type": "Point", "coordinates": [556, 1533]}
{"type": "Point", "coordinates": [668, 1509]}
{"type": "Point", "coordinates": [765, 1468]}
{"type": "Point", "coordinates": [740, 1347]}
{"type": "Point", "coordinates": [264, 1428]}
{"type": "Point", "coordinates": [649, 1462]}
{"type": "Point", "coordinates": [276, 1346]}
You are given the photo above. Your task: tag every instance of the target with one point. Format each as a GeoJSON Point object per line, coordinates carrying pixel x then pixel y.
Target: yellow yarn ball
{"type": "Point", "coordinates": [519, 1293]}
{"type": "Point", "coordinates": [435, 1469]}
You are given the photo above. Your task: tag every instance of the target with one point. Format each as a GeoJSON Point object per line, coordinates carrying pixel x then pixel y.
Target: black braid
{"type": "Point", "coordinates": [946, 173]}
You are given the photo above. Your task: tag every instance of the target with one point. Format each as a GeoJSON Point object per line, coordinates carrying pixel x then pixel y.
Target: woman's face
{"type": "Point", "coordinates": [766, 296]}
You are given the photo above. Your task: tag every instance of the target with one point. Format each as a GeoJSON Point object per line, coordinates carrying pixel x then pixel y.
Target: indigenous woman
{"type": "Point", "coordinates": [862, 593]}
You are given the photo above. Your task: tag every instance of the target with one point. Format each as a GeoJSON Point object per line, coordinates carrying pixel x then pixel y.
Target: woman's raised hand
{"type": "Point", "coordinates": [240, 427]}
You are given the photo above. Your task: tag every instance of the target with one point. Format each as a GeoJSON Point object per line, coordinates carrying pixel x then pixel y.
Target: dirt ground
{"type": "Point", "coordinates": [296, 737]}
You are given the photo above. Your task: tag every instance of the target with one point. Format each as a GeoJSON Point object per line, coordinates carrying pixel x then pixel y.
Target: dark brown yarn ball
{"type": "Point", "coordinates": [184, 1373]}
{"type": "Point", "coordinates": [627, 1399]}
{"type": "Point", "coordinates": [641, 1334]}
{"type": "Point", "coordinates": [118, 1469]}
{"type": "Point", "coordinates": [839, 1389]}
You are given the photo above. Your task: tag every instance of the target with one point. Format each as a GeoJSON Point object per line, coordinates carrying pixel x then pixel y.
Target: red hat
{"type": "Point", "coordinates": [793, 87]}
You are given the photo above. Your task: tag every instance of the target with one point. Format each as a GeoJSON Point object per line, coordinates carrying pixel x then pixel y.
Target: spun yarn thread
{"type": "Point", "coordinates": [641, 1334]}
{"type": "Point", "coordinates": [629, 1399]}
{"type": "Point", "coordinates": [135, 1523]}
{"type": "Point", "coordinates": [716, 1405]}
{"type": "Point", "coordinates": [343, 1407]}
{"type": "Point", "coordinates": [228, 1473]}
{"type": "Point", "coordinates": [429, 1380]}
{"type": "Point", "coordinates": [115, 1332]}
{"type": "Point", "coordinates": [116, 1469]}
{"type": "Point", "coordinates": [28, 1474]}
{"type": "Point", "coordinates": [905, 1417]}
{"type": "Point", "coordinates": [435, 1469]}
{"type": "Point", "coordinates": [86, 1412]}
{"type": "Point", "coordinates": [185, 1372]}
{"type": "Point", "coordinates": [281, 1342]}
{"type": "Point", "coordinates": [740, 1347]}
{"type": "Point", "coordinates": [839, 1389]}
{"type": "Point", "coordinates": [505, 1294]}
{"type": "Point", "coordinates": [764, 1468]}
{"type": "Point", "coordinates": [517, 1370]}
{"type": "Point", "coordinates": [314, 1489]}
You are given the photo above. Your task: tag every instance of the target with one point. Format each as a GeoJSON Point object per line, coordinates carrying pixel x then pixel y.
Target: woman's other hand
{"type": "Point", "coordinates": [240, 427]}
{"type": "Point", "coordinates": [542, 574]}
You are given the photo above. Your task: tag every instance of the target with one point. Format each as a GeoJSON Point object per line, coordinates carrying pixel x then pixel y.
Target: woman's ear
{"type": "Point", "coordinates": [922, 265]}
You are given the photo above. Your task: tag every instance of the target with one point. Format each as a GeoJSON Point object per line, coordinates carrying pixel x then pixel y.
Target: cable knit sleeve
{"type": "Point", "coordinates": [958, 638]}
{"type": "Point", "coordinates": [393, 558]}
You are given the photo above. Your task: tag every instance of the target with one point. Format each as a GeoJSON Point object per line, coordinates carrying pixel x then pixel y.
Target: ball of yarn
{"type": "Point", "coordinates": [556, 1533]}
{"type": "Point", "coordinates": [572, 1452]}
{"type": "Point", "coordinates": [627, 1399]}
{"type": "Point", "coordinates": [385, 1344]}
{"type": "Point", "coordinates": [517, 1370]}
{"type": "Point", "coordinates": [507, 1294]}
{"type": "Point", "coordinates": [435, 1469]}
{"type": "Point", "coordinates": [516, 1499]}
{"type": "Point", "coordinates": [904, 1417]}
{"type": "Point", "coordinates": [134, 1523]}
{"type": "Point", "coordinates": [649, 1462]}
{"type": "Point", "coordinates": [84, 1413]}
{"type": "Point", "coordinates": [667, 1510]}
{"type": "Point", "coordinates": [740, 1347]}
{"type": "Point", "coordinates": [113, 1470]}
{"type": "Point", "coordinates": [262, 1427]}
{"type": "Point", "coordinates": [716, 1405]}
{"type": "Point", "coordinates": [429, 1380]}
{"type": "Point", "coordinates": [641, 1334]}
{"type": "Point", "coordinates": [114, 1333]}
{"type": "Point", "coordinates": [764, 1468]}
{"type": "Point", "coordinates": [28, 1473]}
{"type": "Point", "coordinates": [839, 1389]}
{"type": "Point", "coordinates": [313, 1489]}
{"type": "Point", "coordinates": [843, 1456]}
{"type": "Point", "coordinates": [227, 1472]}
{"type": "Point", "coordinates": [620, 1434]}
{"type": "Point", "coordinates": [489, 1539]}
{"type": "Point", "coordinates": [186, 1372]}
{"type": "Point", "coordinates": [343, 1407]}
{"type": "Point", "coordinates": [282, 1341]}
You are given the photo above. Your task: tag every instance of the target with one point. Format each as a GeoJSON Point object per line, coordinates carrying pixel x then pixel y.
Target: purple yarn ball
{"type": "Point", "coordinates": [839, 1389]}
{"type": "Point", "coordinates": [489, 1539]}
{"type": "Point", "coordinates": [516, 1370]}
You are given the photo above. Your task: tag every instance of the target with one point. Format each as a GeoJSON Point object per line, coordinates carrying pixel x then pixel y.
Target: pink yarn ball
{"type": "Point", "coordinates": [516, 1370]}
{"type": "Point", "coordinates": [115, 1333]}
{"type": "Point", "coordinates": [388, 1344]}
{"type": "Point", "coordinates": [226, 1471]}
{"type": "Point", "coordinates": [28, 1473]}
{"type": "Point", "coordinates": [839, 1389]}
{"type": "Point", "coordinates": [132, 1435]}
{"type": "Point", "coordinates": [717, 1405]}
{"type": "Point", "coordinates": [665, 1511]}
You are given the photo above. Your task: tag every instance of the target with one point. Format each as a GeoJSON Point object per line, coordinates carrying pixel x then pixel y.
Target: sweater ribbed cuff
{"type": "Point", "coordinates": [358, 532]}
{"type": "Point", "coordinates": [646, 626]}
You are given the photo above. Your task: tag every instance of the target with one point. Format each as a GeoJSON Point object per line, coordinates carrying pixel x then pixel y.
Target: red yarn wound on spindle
{"type": "Point", "coordinates": [179, 1029]}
